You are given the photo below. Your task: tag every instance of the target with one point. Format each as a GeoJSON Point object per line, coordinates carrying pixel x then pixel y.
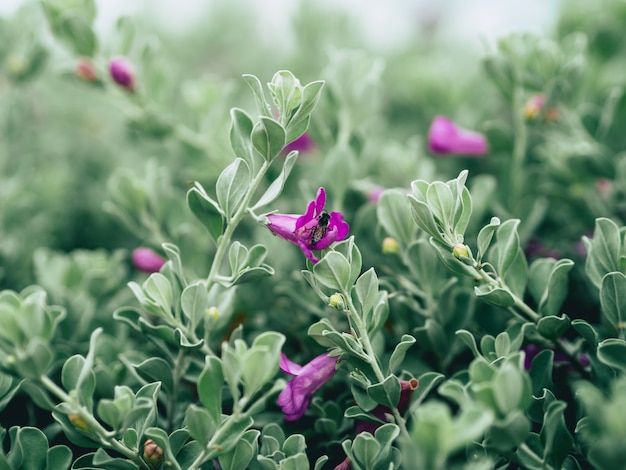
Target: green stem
{"type": "Point", "coordinates": [105, 437]}
{"type": "Point", "coordinates": [224, 241]}
{"type": "Point", "coordinates": [369, 350]}
{"type": "Point", "coordinates": [180, 367]}
{"type": "Point", "coordinates": [516, 182]}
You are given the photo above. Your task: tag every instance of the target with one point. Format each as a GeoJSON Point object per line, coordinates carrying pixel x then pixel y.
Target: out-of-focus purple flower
{"type": "Point", "coordinates": [296, 397]}
{"type": "Point", "coordinates": [146, 260]}
{"type": "Point", "coordinates": [122, 73]}
{"type": "Point", "coordinates": [535, 108]}
{"type": "Point", "coordinates": [315, 230]}
{"type": "Point", "coordinates": [375, 193]}
{"type": "Point", "coordinates": [303, 144]}
{"type": "Point", "coordinates": [86, 70]}
{"type": "Point", "coordinates": [537, 249]}
{"type": "Point", "coordinates": [445, 138]}
{"type": "Point", "coordinates": [406, 392]}
{"type": "Point", "coordinates": [560, 358]}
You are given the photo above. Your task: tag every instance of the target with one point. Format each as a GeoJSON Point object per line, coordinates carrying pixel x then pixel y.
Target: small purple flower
{"type": "Point", "coordinates": [146, 260]}
{"type": "Point", "coordinates": [296, 397]}
{"type": "Point", "coordinates": [560, 358]}
{"type": "Point", "coordinates": [315, 230]}
{"type": "Point", "coordinates": [303, 144]}
{"type": "Point", "coordinates": [122, 73]}
{"type": "Point", "coordinates": [445, 137]}
{"type": "Point", "coordinates": [374, 194]}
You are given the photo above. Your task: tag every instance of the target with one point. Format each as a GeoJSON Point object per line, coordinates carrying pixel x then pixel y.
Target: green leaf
{"type": "Point", "coordinates": [541, 371]}
{"type": "Point", "coordinates": [612, 352]}
{"type": "Point", "coordinates": [161, 439]}
{"type": "Point", "coordinates": [510, 261]}
{"type": "Point", "coordinates": [442, 203]}
{"type": "Point", "coordinates": [424, 219]}
{"type": "Point", "coordinates": [232, 185]}
{"type": "Point", "coordinates": [259, 97]}
{"type": "Point", "coordinates": [59, 458]}
{"type": "Point", "coordinates": [365, 449]}
{"type": "Point", "coordinates": [286, 92]}
{"type": "Point", "coordinates": [194, 302]}
{"type": "Point", "coordinates": [159, 290]}
{"type": "Point", "coordinates": [553, 327]}
{"type": "Point", "coordinates": [485, 236]}
{"type": "Point", "coordinates": [387, 392]}
{"type": "Point", "coordinates": [399, 352]}
{"type": "Point", "coordinates": [548, 283]}
{"type": "Point", "coordinates": [394, 214]}
{"type": "Point", "coordinates": [333, 271]}
{"type": "Point", "coordinates": [268, 138]}
{"type": "Point", "coordinates": [210, 385]}
{"type": "Point", "coordinates": [30, 446]}
{"type": "Point", "coordinates": [156, 369]}
{"type": "Point", "coordinates": [469, 340]}
{"type": "Point", "coordinates": [366, 292]}
{"type": "Point", "coordinates": [299, 122]}
{"type": "Point", "coordinates": [77, 375]}
{"type": "Point", "coordinates": [463, 212]}
{"type": "Point", "coordinates": [240, 131]}
{"type": "Point", "coordinates": [613, 300]}
{"type": "Point", "coordinates": [508, 388]}
{"type": "Point", "coordinates": [294, 444]}
{"type": "Point", "coordinates": [587, 331]}
{"type": "Point", "coordinates": [276, 188]}
{"type": "Point", "coordinates": [494, 296]}
{"type": "Point", "coordinates": [554, 435]}
{"type": "Point", "coordinates": [206, 210]}
{"type": "Point", "coordinates": [200, 424]}
{"type": "Point", "coordinates": [242, 454]}
{"type": "Point", "coordinates": [603, 251]}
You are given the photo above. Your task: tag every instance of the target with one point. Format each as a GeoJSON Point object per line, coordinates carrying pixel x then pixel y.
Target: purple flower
{"type": "Point", "coordinates": [296, 397]}
{"type": "Point", "coordinates": [122, 73]}
{"type": "Point", "coordinates": [146, 260]}
{"type": "Point", "coordinates": [315, 230]}
{"type": "Point", "coordinates": [445, 137]}
{"type": "Point", "coordinates": [303, 144]}
{"type": "Point", "coordinates": [560, 358]}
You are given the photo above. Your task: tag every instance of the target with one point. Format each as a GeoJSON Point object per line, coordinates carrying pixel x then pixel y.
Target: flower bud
{"type": "Point", "coordinates": [146, 260]}
{"type": "Point", "coordinates": [390, 245]}
{"type": "Point", "coordinates": [86, 70]}
{"type": "Point", "coordinates": [212, 313]}
{"type": "Point", "coordinates": [16, 65]}
{"type": "Point", "coordinates": [152, 453]}
{"type": "Point", "coordinates": [533, 107]}
{"type": "Point", "coordinates": [122, 73]}
{"type": "Point", "coordinates": [79, 422]}
{"type": "Point", "coordinates": [336, 301]}
{"type": "Point", "coordinates": [460, 251]}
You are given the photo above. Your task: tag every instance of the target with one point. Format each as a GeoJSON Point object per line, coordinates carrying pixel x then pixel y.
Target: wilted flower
{"type": "Point", "coordinates": [152, 453]}
{"type": "Point", "coordinates": [296, 397]}
{"type": "Point", "coordinates": [86, 70]}
{"type": "Point", "coordinates": [146, 260]}
{"type": "Point", "coordinates": [315, 230]}
{"type": "Point", "coordinates": [303, 144]}
{"type": "Point", "coordinates": [122, 73]}
{"type": "Point", "coordinates": [445, 137]}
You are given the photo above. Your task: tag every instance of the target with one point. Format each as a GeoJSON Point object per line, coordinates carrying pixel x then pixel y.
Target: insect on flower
{"type": "Point", "coordinates": [318, 232]}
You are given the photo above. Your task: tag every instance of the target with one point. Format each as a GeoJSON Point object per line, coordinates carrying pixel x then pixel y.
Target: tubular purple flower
{"type": "Point", "coordinates": [315, 230]}
{"type": "Point", "coordinates": [445, 138]}
{"type": "Point", "coordinates": [296, 396]}
{"type": "Point", "coordinates": [146, 260]}
{"type": "Point", "coordinates": [122, 73]}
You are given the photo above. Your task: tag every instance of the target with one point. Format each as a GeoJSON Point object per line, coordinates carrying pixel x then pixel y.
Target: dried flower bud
{"type": "Point", "coordinates": [152, 453]}
{"type": "Point", "coordinates": [86, 70]}
{"type": "Point", "coordinates": [79, 422]}
{"type": "Point", "coordinates": [390, 245]}
{"type": "Point", "coordinates": [122, 73]}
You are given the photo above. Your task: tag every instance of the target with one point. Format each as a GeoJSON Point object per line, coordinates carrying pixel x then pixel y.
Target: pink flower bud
{"type": "Point", "coordinates": [86, 70]}
{"type": "Point", "coordinates": [445, 138]}
{"type": "Point", "coordinates": [146, 260]}
{"type": "Point", "coordinates": [122, 73]}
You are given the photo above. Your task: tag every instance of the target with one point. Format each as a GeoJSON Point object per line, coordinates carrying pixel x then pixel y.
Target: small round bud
{"type": "Point", "coordinates": [336, 301]}
{"type": "Point", "coordinates": [533, 107]}
{"type": "Point", "coordinates": [152, 453]}
{"type": "Point", "coordinates": [79, 422]}
{"type": "Point", "coordinates": [122, 73]}
{"type": "Point", "coordinates": [460, 251]}
{"type": "Point", "coordinates": [390, 245]}
{"type": "Point", "coordinates": [86, 70]}
{"type": "Point", "coordinates": [213, 313]}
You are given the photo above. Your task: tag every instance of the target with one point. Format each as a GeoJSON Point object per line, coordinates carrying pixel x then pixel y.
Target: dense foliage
{"type": "Point", "coordinates": [319, 268]}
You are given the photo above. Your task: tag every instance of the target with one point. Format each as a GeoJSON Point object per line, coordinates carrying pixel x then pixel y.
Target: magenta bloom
{"type": "Point", "coordinates": [146, 260]}
{"type": "Point", "coordinates": [315, 230]}
{"type": "Point", "coordinates": [303, 144]}
{"type": "Point", "coordinates": [445, 138]}
{"type": "Point", "coordinates": [122, 73]}
{"type": "Point", "coordinates": [296, 397]}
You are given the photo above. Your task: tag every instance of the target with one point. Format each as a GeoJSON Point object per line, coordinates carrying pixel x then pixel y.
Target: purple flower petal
{"type": "Point", "coordinates": [146, 260]}
{"type": "Point", "coordinates": [445, 137]}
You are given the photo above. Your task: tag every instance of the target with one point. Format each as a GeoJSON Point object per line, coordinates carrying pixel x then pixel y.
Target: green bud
{"type": "Point", "coordinates": [463, 254]}
{"type": "Point", "coordinates": [336, 301]}
{"type": "Point", "coordinates": [78, 422]}
{"type": "Point", "coordinates": [390, 245]}
{"type": "Point", "coordinates": [213, 313]}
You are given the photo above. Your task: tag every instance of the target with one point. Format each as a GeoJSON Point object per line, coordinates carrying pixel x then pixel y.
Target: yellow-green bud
{"type": "Point", "coordinates": [213, 313]}
{"type": "Point", "coordinates": [336, 301]}
{"type": "Point", "coordinates": [16, 65]}
{"type": "Point", "coordinates": [79, 422]}
{"type": "Point", "coordinates": [152, 453]}
{"type": "Point", "coordinates": [460, 251]}
{"type": "Point", "coordinates": [390, 245]}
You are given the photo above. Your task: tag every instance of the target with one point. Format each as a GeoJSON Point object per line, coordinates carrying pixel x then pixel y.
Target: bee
{"type": "Point", "coordinates": [318, 232]}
